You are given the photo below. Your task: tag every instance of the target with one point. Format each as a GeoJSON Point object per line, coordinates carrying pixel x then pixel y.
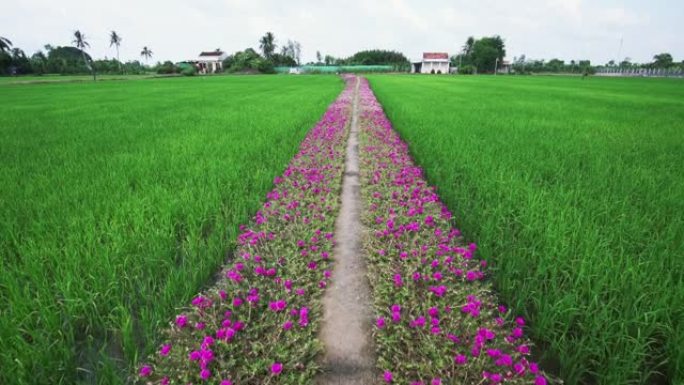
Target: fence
{"type": "Point", "coordinates": [646, 72]}
{"type": "Point", "coordinates": [311, 69]}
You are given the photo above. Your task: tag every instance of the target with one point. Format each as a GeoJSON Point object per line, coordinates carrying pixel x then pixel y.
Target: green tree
{"type": "Point", "coordinates": [663, 60]}
{"type": "Point", "coordinates": [319, 58]}
{"type": "Point", "coordinates": [378, 57]}
{"type": "Point", "coordinates": [39, 63]}
{"type": "Point", "coordinates": [467, 49]}
{"type": "Point", "coordinates": [267, 45]}
{"type": "Point", "coordinates": [555, 65]}
{"type": "Point", "coordinates": [82, 44]}
{"type": "Point", "coordinates": [115, 40]}
{"type": "Point", "coordinates": [146, 53]}
{"type": "Point", "coordinates": [5, 44]}
{"type": "Point", "coordinates": [21, 63]}
{"type": "Point", "coordinates": [486, 52]}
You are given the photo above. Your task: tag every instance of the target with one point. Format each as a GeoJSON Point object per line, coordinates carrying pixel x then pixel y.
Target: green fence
{"type": "Point", "coordinates": [312, 69]}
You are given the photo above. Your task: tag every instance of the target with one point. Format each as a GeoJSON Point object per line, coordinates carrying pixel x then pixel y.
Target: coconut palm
{"type": "Point", "coordinates": [5, 44]}
{"type": "Point", "coordinates": [115, 39]}
{"type": "Point", "coordinates": [146, 53]}
{"type": "Point", "coordinates": [82, 44]}
{"type": "Point", "coordinates": [267, 44]}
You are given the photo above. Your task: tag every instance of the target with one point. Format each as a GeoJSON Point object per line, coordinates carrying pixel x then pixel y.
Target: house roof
{"type": "Point", "coordinates": [212, 53]}
{"type": "Point", "coordinates": [435, 56]}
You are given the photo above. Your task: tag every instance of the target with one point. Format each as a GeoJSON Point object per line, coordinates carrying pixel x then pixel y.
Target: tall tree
{"type": "Point", "coordinates": [5, 44]}
{"type": "Point", "coordinates": [319, 57]}
{"type": "Point", "coordinates": [267, 45]}
{"type": "Point", "coordinates": [298, 52]}
{"type": "Point", "coordinates": [115, 40]}
{"type": "Point", "coordinates": [662, 60]}
{"type": "Point", "coordinates": [292, 49]}
{"type": "Point", "coordinates": [486, 52]}
{"type": "Point", "coordinates": [468, 46]}
{"type": "Point", "coordinates": [146, 53]}
{"type": "Point", "coordinates": [82, 44]}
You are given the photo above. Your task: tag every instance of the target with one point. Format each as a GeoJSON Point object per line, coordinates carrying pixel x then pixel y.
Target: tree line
{"type": "Point", "coordinates": [268, 57]}
{"type": "Point", "coordinates": [483, 55]}
{"type": "Point", "coordinates": [68, 59]}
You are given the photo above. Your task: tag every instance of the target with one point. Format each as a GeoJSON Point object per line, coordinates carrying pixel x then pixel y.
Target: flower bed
{"type": "Point", "coordinates": [437, 319]}
{"type": "Point", "coordinates": [258, 323]}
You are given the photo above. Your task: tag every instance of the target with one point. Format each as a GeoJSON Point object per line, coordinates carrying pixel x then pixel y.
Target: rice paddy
{"type": "Point", "coordinates": [573, 189]}
{"type": "Point", "coordinates": [120, 200]}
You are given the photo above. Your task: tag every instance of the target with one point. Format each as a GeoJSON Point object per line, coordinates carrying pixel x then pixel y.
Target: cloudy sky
{"type": "Point", "coordinates": [179, 29]}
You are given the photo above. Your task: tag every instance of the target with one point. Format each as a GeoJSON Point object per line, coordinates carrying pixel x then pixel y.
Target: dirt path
{"type": "Point", "coordinates": [346, 334]}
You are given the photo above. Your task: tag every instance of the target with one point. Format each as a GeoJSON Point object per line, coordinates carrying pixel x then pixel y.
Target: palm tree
{"type": "Point", "coordinates": [468, 47]}
{"type": "Point", "coordinates": [5, 44]}
{"type": "Point", "coordinates": [81, 43]}
{"type": "Point", "coordinates": [146, 53]}
{"type": "Point", "coordinates": [115, 39]}
{"type": "Point", "coordinates": [267, 44]}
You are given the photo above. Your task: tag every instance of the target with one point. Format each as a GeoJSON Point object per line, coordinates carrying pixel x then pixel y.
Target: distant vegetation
{"type": "Point", "coordinates": [480, 55]}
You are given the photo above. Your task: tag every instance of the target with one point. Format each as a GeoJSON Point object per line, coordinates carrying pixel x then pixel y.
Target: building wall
{"type": "Point", "coordinates": [438, 66]}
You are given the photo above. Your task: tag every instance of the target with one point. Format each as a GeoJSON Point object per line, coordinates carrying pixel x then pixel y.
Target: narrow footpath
{"type": "Point", "coordinates": [346, 333]}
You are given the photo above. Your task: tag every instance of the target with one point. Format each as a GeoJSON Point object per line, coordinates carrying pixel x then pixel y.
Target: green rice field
{"type": "Point", "coordinates": [120, 199]}
{"type": "Point", "coordinates": [573, 189]}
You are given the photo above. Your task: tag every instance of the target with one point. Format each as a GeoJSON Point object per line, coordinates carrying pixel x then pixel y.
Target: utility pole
{"type": "Point", "coordinates": [496, 65]}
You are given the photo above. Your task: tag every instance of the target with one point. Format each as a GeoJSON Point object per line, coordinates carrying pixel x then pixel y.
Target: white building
{"type": "Point", "coordinates": [210, 62]}
{"type": "Point", "coordinates": [432, 63]}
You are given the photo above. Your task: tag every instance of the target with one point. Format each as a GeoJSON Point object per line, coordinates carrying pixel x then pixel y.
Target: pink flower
{"type": "Point", "coordinates": [226, 382]}
{"type": "Point", "coordinates": [534, 368]}
{"type": "Point", "coordinates": [164, 351]}
{"type": "Point", "coordinates": [387, 376]}
{"type": "Point", "coordinates": [397, 280]}
{"type": "Point", "coordinates": [277, 306]}
{"type": "Point", "coordinates": [276, 368]}
{"type": "Point", "coordinates": [287, 325]}
{"type": "Point", "coordinates": [181, 320]}
{"type": "Point", "coordinates": [145, 370]}
{"type": "Point", "coordinates": [436, 381]}
{"type": "Point", "coordinates": [539, 380]}
{"type": "Point", "coordinates": [164, 381]}
{"type": "Point", "coordinates": [205, 374]}
{"type": "Point", "coordinates": [380, 322]}
{"type": "Point", "coordinates": [460, 359]}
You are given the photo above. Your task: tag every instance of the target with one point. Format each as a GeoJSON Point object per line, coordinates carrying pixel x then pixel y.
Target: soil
{"type": "Point", "coordinates": [346, 331]}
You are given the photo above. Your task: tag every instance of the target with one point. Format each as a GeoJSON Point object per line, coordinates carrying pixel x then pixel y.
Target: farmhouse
{"type": "Point", "coordinates": [210, 62]}
{"type": "Point", "coordinates": [432, 63]}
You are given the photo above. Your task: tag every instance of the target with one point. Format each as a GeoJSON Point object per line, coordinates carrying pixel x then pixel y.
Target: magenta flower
{"type": "Point", "coordinates": [205, 374]}
{"type": "Point", "coordinates": [276, 368]}
{"type": "Point", "coordinates": [181, 320]}
{"type": "Point", "coordinates": [226, 382]}
{"type": "Point", "coordinates": [539, 380]}
{"type": "Point", "coordinates": [145, 371]}
{"type": "Point", "coordinates": [380, 322]}
{"type": "Point", "coordinates": [397, 280]}
{"type": "Point", "coordinates": [164, 351]}
{"type": "Point", "coordinates": [277, 306]}
{"type": "Point", "coordinates": [460, 359]}
{"type": "Point", "coordinates": [387, 376]}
